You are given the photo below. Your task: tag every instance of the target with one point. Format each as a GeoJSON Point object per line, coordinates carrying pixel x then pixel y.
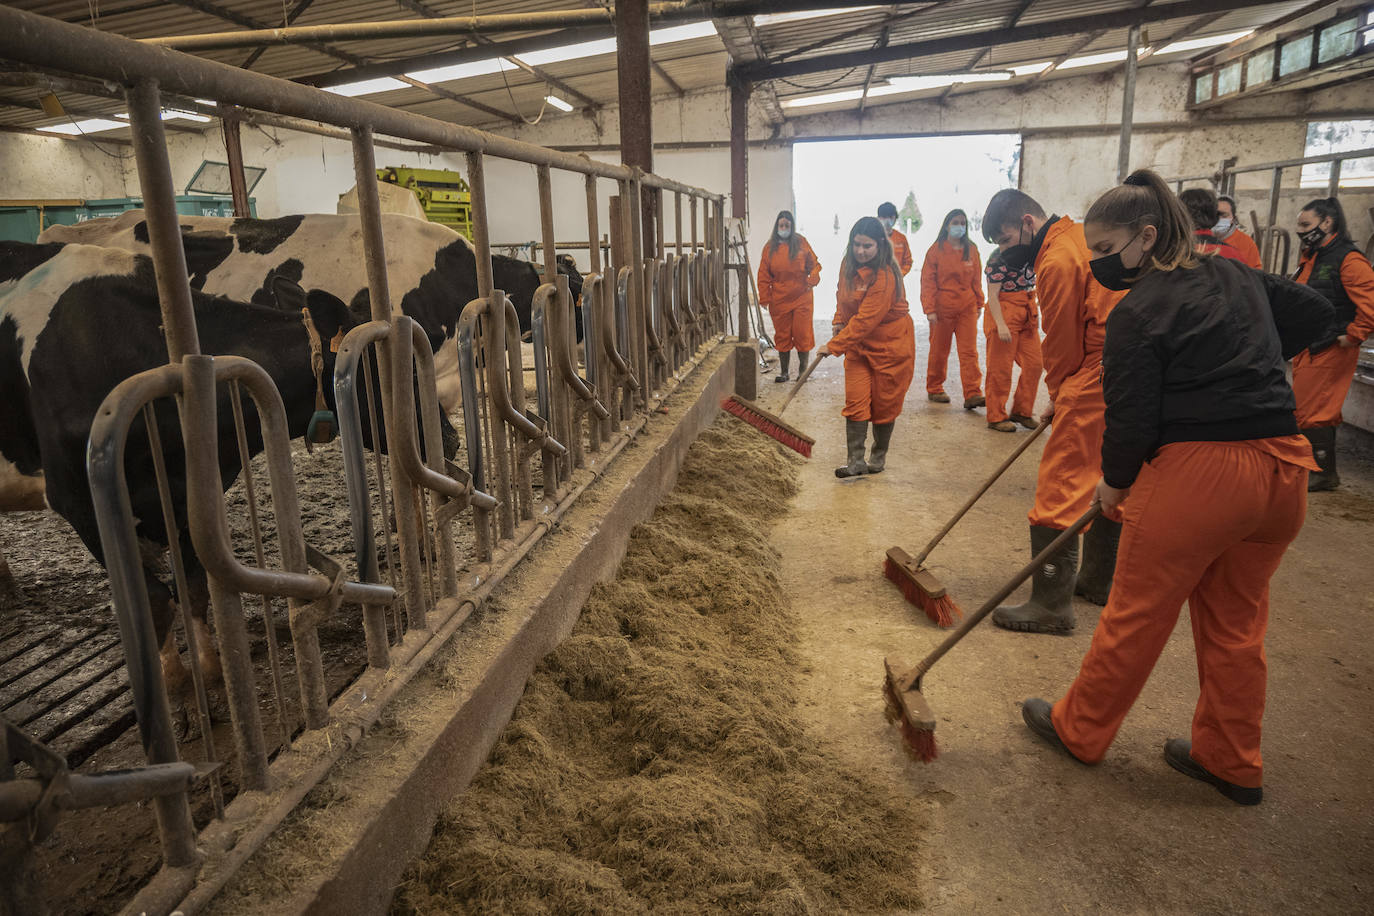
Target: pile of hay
{"type": "Point", "coordinates": [655, 761]}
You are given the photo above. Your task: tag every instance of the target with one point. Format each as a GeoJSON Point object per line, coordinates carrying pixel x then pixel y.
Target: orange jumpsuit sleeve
{"type": "Point", "coordinates": [930, 279]}
{"type": "Point", "coordinates": [1061, 286]}
{"type": "Point", "coordinates": [877, 301]}
{"type": "Point", "coordinates": [1358, 279]}
{"type": "Point", "coordinates": [904, 259]}
{"type": "Point", "coordinates": [813, 276]}
{"type": "Point", "coordinates": [766, 275]}
{"type": "Point", "coordinates": [1249, 251]}
{"type": "Point", "coordinates": [977, 275]}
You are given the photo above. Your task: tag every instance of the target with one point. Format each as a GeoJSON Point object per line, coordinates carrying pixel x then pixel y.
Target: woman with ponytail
{"type": "Point", "coordinates": [1200, 435]}
{"type": "Point", "coordinates": [788, 270]}
{"type": "Point", "coordinates": [1332, 265]}
{"type": "Point", "coordinates": [952, 297]}
{"type": "Point", "coordinates": [872, 328]}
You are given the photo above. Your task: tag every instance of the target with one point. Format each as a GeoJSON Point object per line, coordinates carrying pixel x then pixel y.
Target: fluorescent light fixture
{"type": "Point", "coordinates": [896, 86]}
{"type": "Point", "coordinates": [1092, 60]}
{"type": "Point", "coordinates": [689, 32]}
{"type": "Point", "coordinates": [88, 126]}
{"type": "Point", "coordinates": [1197, 44]}
{"type": "Point", "coordinates": [775, 18]}
{"type": "Point", "coordinates": [462, 71]}
{"type": "Point", "coordinates": [367, 87]}
{"type": "Point", "coordinates": [169, 114]}
{"type": "Point", "coordinates": [1031, 69]}
{"type": "Point", "coordinates": [657, 37]}
{"type": "Point", "coordinates": [558, 103]}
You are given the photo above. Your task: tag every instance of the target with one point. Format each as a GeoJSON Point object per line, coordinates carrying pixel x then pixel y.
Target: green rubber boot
{"type": "Point", "coordinates": [856, 432]}
{"type": "Point", "coordinates": [877, 456]}
{"type": "Point", "coordinates": [1323, 439]}
{"type": "Point", "coordinates": [1050, 609]}
{"type": "Point", "coordinates": [1099, 561]}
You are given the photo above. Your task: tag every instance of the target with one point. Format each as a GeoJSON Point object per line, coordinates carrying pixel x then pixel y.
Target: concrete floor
{"type": "Point", "coordinates": [1017, 827]}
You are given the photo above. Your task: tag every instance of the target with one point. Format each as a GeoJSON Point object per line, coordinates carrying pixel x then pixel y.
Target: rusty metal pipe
{"type": "Point", "coordinates": [499, 312]}
{"type": "Point", "coordinates": [19, 798]}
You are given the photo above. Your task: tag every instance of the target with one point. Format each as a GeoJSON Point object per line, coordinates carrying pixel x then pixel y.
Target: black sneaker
{"type": "Point", "coordinates": [781, 378]}
{"type": "Point", "coordinates": [1036, 713]}
{"type": "Point", "coordinates": [1178, 754]}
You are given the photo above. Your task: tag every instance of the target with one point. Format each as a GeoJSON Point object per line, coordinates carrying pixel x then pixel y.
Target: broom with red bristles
{"type": "Point", "coordinates": [918, 584]}
{"type": "Point", "coordinates": [906, 704]}
{"type": "Point", "coordinates": [771, 424]}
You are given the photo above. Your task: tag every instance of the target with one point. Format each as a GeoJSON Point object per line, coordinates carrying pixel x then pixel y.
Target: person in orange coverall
{"type": "Point", "coordinates": [1012, 327]}
{"type": "Point", "coordinates": [901, 248]}
{"type": "Point", "coordinates": [1228, 230]}
{"type": "Point", "coordinates": [1332, 265]}
{"type": "Point", "coordinates": [1202, 446]}
{"type": "Point", "coordinates": [1073, 311]}
{"type": "Point", "coordinates": [788, 269]}
{"type": "Point", "coordinates": [873, 329]}
{"type": "Point", "coordinates": [952, 296]}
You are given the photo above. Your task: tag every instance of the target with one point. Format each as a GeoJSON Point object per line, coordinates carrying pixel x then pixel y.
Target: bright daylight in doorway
{"type": "Point", "coordinates": [836, 182]}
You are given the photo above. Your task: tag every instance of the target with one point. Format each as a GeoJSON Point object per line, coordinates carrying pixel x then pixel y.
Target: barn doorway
{"type": "Point", "coordinates": [837, 181]}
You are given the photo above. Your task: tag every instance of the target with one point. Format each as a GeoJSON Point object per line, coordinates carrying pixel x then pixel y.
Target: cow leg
{"type": "Point", "coordinates": [207, 656]}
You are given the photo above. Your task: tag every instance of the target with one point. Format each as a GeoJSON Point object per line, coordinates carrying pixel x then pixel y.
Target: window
{"type": "Point", "coordinates": [1259, 68]}
{"type": "Point", "coordinates": [1202, 88]}
{"type": "Point", "coordinates": [1295, 55]}
{"type": "Point", "coordinates": [1228, 78]}
{"type": "Point", "coordinates": [1339, 137]}
{"type": "Point", "coordinates": [1337, 40]}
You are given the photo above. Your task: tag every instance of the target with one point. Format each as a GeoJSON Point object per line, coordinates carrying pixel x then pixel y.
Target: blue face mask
{"type": "Point", "coordinates": [956, 232]}
{"type": "Point", "coordinates": [1222, 228]}
{"type": "Point", "coordinates": [784, 234]}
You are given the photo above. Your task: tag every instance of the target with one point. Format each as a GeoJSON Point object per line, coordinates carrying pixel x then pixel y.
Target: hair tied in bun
{"type": "Point", "coordinates": [1138, 180]}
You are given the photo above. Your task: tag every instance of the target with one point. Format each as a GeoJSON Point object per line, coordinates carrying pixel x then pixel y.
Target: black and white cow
{"type": "Point", "coordinates": [75, 320]}
{"type": "Point", "coordinates": [431, 270]}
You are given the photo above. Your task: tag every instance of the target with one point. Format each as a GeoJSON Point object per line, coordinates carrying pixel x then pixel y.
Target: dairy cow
{"type": "Point", "coordinates": [431, 270]}
{"type": "Point", "coordinates": [75, 320]}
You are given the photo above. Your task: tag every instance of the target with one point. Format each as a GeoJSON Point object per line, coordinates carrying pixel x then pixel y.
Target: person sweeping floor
{"type": "Point", "coordinates": [873, 330]}
{"type": "Point", "coordinates": [1073, 310]}
{"type": "Point", "coordinates": [788, 270]}
{"type": "Point", "coordinates": [1202, 447]}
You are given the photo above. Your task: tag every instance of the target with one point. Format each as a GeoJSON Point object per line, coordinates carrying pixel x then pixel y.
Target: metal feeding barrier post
{"type": "Point", "coordinates": [647, 316]}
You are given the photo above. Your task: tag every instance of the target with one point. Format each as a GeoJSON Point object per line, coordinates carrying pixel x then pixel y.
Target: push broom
{"type": "Point", "coordinates": [906, 704]}
{"type": "Point", "coordinates": [772, 424]}
{"type": "Point", "coordinates": [918, 584]}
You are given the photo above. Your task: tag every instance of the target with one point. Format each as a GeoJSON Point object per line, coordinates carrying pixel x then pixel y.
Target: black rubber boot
{"type": "Point", "coordinates": [877, 456]}
{"type": "Point", "coordinates": [856, 433]}
{"type": "Point", "coordinates": [1178, 753]}
{"type": "Point", "coordinates": [1038, 716]}
{"type": "Point", "coordinates": [1323, 439]}
{"type": "Point", "coordinates": [803, 357]}
{"type": "Point", "coordinates": [1099, 561]}
{"type": "Point", "coordinates": [784, 361]}
{"type": "Point", "coordinates": [1050, 609]}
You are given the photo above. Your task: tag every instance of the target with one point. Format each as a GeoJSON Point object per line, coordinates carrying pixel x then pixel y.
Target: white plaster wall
{"type": "Point", "coordinates": [50, 168]}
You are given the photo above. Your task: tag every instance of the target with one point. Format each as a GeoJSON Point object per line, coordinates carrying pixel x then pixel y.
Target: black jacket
{"type": "Point", "coordinates": [1198, 355]}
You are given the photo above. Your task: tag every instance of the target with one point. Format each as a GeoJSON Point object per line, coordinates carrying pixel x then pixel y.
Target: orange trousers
{"type": "Point", "coordinates": [1023, 349]}
{"type": "Point", "coordinates": [792, 329]}
{"type": "Point", "coordinates": [962, 326]}
{"type": "Point", "coordinates": [1071, 464]}
{"type": "Point", "coordinates": [1320, 384]}
{"type": "Point", "coordinates": [1206, 522]}
{"type": "Point", "coordinates": [876, 378]}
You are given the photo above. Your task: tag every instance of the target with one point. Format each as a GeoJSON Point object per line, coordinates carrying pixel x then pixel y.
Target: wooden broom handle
{"type": "Point", "coordinates": [801, 380]}
{"type": "Point", "coordinates": [987, 484]}
{"type": "Point", "coordinates": [972, 620]}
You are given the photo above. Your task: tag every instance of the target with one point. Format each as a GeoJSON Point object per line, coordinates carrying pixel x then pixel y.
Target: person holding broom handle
{"type": "Point", "coordinates": [1202, 447]}
{"type": "Point", "coordinates": [788, 269]}
{"type": "Point", "coordinates": [873, 331]}
{"type": "Point", "coordinates": [1073, 311]}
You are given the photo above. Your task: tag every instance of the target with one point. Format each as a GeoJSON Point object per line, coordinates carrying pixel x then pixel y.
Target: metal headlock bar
{"type": "Point", "coordinates": [458, 530]}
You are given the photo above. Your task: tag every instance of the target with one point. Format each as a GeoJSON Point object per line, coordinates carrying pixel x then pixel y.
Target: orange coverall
{"type": "Point", "coordinates": [785, 286]}
{"type": "Point", "coordinates": [1321, 382]}
{"type": "Point", "coordinates": [1073, 310]}
{"type": "Point", "coordinates": [952, 292]}
{"type": "Point", "coordinates": [1022, 318]}
{"type": "Point", "coordinates": [878, 342]}
{"type": "Point", "coordinates": [901, 251]}
{"type": "Point", "coordinates": [1206, 523]}
{"type": "Point", "coordinates": [1249, 251]}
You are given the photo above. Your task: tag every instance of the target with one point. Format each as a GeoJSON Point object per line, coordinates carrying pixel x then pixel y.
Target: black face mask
{"type": "Point", "coordinates": [1017, 256]}
{"type": "Point", "coordinates": [1112, 272]}
{"type": "Point", "coordinates": [1312, 238]}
